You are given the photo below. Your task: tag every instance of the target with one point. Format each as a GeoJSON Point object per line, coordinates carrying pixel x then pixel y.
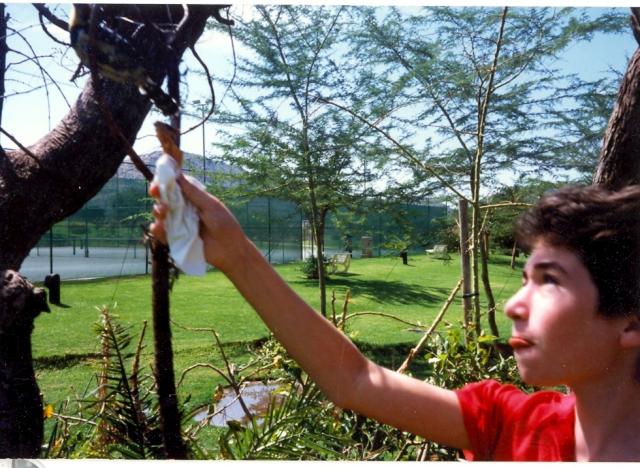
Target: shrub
{"type": "Point", "coordinates": [310, 267]}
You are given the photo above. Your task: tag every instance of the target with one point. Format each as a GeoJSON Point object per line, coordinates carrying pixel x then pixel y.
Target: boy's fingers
{"type": "Point", "coordinates": [196, 196]}
{"type": "Point", "coordinates": [154, 190]}
{"type": "Point", "coordinates": [160, 211]}
{"type": "Point", "coordinates": [157, 231]}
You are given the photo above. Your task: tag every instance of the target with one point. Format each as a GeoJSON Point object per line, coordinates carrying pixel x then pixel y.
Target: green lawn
{"type": "Point", "coordinates": [66, 348]}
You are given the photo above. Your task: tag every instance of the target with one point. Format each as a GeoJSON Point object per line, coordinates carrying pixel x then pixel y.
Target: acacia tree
{"type": "Point", "coordinates": [482, 88]}
{"type": "Point", "coordinates": [288, 144]}
{"type": "Point", "coordinates": [51, 179]}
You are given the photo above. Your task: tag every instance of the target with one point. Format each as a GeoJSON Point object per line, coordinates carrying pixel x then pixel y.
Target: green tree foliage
{"type": "Point", "coordinates": [480, 91]}
{"type": "Point", "coordinates": [444, 66]}
{"type": "Point", "coordinates": [500, 220]}
{"type": "Point", "coordinates": [288, 143]}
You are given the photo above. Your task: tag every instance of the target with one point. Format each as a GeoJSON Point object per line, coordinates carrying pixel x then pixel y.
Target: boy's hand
{"type": "Point", "coordinates": [219, 230]}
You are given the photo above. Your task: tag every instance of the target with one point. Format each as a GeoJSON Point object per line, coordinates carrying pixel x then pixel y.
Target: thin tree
{"type": "Point", "coordinates": [485, 94]}
{"type": "Point", "coordinates": [288, 144]}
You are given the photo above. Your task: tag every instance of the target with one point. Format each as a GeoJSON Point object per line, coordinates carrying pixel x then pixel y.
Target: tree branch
{"type": "Point", "coordinates": [292, 90]}
{"type": "Point", "coordinates": [81, 150]}
{"type": "Point", "coordinates": [403, 368]}
{"type": "Point", "coordinates": [408, 154]}
{"type": "Point", "coordinates": [405, 63]}
{"type": "Point", "coordinates": [53, 19]}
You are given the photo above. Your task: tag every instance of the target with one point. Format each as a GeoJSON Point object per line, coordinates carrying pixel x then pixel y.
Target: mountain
{"type": "Point", "coordinates": [192, 165]}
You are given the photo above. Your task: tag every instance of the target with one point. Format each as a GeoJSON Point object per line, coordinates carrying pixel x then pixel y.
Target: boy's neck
{"type": "Point", "coordinates": [607, 420]}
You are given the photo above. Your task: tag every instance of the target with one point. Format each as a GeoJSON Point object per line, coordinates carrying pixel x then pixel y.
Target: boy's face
{"type": "Point", "coordinates": [557, 335]}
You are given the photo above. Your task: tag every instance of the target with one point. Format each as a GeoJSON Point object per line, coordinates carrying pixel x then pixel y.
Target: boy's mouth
{"type": "Point", "coordinates": [517, 342]}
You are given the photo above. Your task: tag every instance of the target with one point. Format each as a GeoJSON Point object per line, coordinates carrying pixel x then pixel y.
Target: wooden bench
{"type": "Point", "coordinates": [341, 260]}
{"type": "Point", "coordinates": [439, 251]}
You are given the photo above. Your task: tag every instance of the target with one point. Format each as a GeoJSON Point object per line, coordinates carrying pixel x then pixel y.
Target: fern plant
{"type": "Point", "coordinates": [128, 422]}
{"type": "Point", "coordinates": [292, 428]}
{"type": "Point", "coordinates": [119, 418]}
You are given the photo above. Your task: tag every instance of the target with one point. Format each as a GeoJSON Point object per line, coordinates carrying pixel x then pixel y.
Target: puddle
{"type": "Point", "coordinates": [256, 396]}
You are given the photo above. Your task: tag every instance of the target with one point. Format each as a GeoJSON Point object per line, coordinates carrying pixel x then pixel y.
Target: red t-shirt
{"type": "Point", "coordinates": [506, 424]}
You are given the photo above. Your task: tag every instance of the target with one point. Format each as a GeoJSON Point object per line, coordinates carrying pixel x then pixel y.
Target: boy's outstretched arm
{"type": "Point", "coordinates": [345, 376]}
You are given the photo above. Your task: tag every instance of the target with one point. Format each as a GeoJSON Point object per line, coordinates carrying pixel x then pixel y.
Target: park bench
{"type": "Point", "coordinates": [439, 251]}
{"type": "Point", "coordinates": [341, 260]}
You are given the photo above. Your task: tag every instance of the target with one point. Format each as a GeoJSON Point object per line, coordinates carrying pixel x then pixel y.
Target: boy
{"type": "Point", "coordinates": [575, 323]}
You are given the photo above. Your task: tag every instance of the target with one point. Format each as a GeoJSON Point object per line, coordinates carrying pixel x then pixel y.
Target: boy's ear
{"type": "Point", "coordinates": [630, 336]}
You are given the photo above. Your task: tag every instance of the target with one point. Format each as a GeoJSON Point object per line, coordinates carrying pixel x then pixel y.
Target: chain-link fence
{"type": "Point", "coordinates": [104, 238]}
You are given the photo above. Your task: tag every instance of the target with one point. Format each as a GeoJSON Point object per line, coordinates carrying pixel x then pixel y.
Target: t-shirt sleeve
{"type": "Point", "coordinates": [483, 411]}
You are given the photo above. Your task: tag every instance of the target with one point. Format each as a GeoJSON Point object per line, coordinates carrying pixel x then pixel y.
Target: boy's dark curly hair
{"type": "Point", "coordinates": [603, 228]}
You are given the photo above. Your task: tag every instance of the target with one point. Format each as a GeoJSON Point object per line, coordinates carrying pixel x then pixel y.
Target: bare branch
{"type": "Point", "coordinates": [405, 63]}
{"type": "Point", "coordinates": [484, 109]}
{"type": "Point", "coordinates": [408, 154]}
{"type": "Point", "coordinates": [51, 36]}
{"type": "Point", "coordinates": [44, 11]}
{"type": "Point", "coordinates": [235, 64]}
{"type": "Point", "coordinates": [315, 58]}
{"type": "Point", "coordinates": [507, 205]}
{"type": "Point", "coordinates": [211, 90]}
{"type": "Point", "coordinates": [43, 71]}
{"type": "Point", "coordinates": [403, 368]}
{"type": "Point", "coordinates": [378, 314]}
{"type": "Point", "coordinates": [292, 89]}
{"type": "Point", "coordinates": [216, 14]}
{"type": "Point", "coordinates": [206, 366]}
{"type": "Point", "coordinates": [20, 145]}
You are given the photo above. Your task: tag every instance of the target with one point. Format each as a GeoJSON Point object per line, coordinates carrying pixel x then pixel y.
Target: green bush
{"type": "Point", "coordinates": [121, 420]}
{"type": "Point", "coordinates": [310, 267]}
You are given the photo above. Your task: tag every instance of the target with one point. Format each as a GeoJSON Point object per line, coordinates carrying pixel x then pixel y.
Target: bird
{"type": "Point", "coordinates": [116, 57]}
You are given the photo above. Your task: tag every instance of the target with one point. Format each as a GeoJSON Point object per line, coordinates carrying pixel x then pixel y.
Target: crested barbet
{"type": "Point", "coordinates": [116, 57]}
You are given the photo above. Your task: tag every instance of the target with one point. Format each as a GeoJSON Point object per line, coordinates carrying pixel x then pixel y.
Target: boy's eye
{"type": "Point", "coordinates": [549, 279]}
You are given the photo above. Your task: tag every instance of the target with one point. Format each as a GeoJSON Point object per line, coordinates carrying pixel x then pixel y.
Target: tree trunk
{"type": "Point", "coordinates": [476, 173]}
{"type": "Point", "coordinates": [514, 254]}
{"type": "Point", "coordinates": [465, 266]}
{"type": "Point", "coordinates": [57, 175]}
{"type": "Point", "coordinates": [322, 279]}
{"type": "Point", "coordinates": [476, 247]}
{"type": "Point", "coordinates": [47, 182]}
{"type": "Point", "coordinates": [3, 54]}
{"type": "Point", "coordinates": [169, 414]}
{"type": "Point", "coordinates": [619, 163]}
{"type": "Point", "coordinates": [491, 302]}
{"type": "Point", "coordinates": [21, 430]}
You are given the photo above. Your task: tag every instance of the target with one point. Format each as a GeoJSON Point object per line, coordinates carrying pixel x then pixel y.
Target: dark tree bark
{"type": "Point", "coordinates": [619, 162]}
{"type": "Point", "coordinates": [74, 161]}
{"type": "Point", "coordinates": [3, 54]}
{"type": "Point", "coordinates": [491, 302]}
{"type": "Point", "coordinates": [20, 404]}
{"type": "Point", "coordinates": [174, 446]}
{"type": "Point", "coordinates": [52, 179]}
{"type": "Point", "coordinates": [168, 399]}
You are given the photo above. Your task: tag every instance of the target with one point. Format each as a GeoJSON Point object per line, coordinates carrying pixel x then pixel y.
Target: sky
{"type": "Point", "coordinates": [28, 117]}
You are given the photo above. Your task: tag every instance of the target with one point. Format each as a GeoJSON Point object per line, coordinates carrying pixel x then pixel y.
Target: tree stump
{"type": "Point", "coordinates": [21, 430]}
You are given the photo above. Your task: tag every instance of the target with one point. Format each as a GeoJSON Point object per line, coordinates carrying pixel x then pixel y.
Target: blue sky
{"type": "Point", "coordinates": [28, 117]}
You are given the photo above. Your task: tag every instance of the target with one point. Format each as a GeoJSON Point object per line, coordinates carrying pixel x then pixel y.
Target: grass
{"type": "Point", "coordinates": [66, 348]}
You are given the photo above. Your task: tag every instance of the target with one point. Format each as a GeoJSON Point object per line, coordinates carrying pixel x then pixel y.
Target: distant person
{"type": "Point", "coordinates": [575, 323]}
{"type": "Point", "coordinates": [404, 255]}
{"type": "Point", "coordinates": [348, 244]}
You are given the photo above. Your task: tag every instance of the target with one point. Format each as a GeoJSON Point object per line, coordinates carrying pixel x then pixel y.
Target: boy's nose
{"type": "Point", "coordinates": [517, 308]}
